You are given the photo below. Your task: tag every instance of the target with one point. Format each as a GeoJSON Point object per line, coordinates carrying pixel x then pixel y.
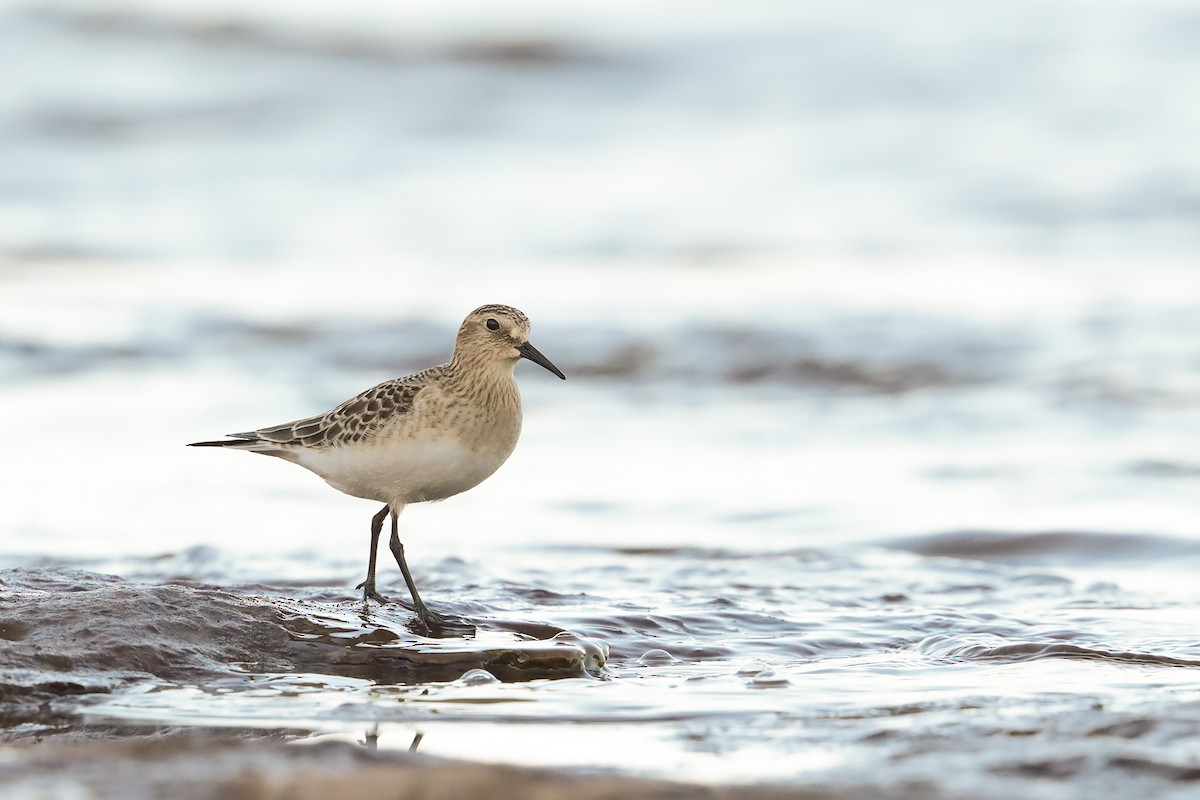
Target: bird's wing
{"type": "Point", "coordinates": [352, 421]}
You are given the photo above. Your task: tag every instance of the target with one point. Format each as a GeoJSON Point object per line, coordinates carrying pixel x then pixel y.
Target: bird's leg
{"type": "Point", "coordinates": [368, 586]}
{"type": "Point", "coordinates": [426, 616]}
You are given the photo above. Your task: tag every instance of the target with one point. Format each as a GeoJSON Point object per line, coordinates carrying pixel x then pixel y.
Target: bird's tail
{"type": "Point", "coordinates": [242, 442]}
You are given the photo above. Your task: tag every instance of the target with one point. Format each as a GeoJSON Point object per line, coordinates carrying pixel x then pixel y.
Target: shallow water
{"type": "Point", "coordinates": [876, 465]}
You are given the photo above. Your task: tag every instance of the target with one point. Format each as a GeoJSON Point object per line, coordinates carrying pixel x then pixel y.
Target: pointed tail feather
{"type": "Point", "coordinates": [242, 441]}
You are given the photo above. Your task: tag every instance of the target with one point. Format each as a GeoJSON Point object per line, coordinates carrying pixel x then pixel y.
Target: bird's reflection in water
{"type": "Point", "coordinates": [371, 740]}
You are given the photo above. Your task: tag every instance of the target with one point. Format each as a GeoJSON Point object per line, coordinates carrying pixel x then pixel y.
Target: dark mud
{"type": "Point", "coordinates": [71, 633]}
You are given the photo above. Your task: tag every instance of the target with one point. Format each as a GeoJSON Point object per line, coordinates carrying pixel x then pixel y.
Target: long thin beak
{"type": "Point", "coordinates": [529, 351]}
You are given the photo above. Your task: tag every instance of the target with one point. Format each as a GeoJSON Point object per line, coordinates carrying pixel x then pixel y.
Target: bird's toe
{"type": "Point", "coordinates": [369, 593]}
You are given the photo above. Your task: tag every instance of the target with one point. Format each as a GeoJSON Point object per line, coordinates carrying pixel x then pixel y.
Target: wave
{"type": "Point", "coordinates": [1049, 547]}
{"type": "Point", "coordinates": [953, 649]}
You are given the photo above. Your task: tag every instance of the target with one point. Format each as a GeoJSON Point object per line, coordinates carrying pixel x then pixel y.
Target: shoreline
{"type": "Point", "coordinates": [198, 766]}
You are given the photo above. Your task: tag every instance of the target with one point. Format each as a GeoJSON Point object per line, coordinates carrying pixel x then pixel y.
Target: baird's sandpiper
{"type": "Point", "coordinates": [428, 436]}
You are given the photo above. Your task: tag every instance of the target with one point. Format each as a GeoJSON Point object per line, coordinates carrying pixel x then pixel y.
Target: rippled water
{"type": "Point", "coordinates": [876, 464]}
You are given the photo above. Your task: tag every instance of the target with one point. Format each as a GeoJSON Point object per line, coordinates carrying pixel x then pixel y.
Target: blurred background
{"type": "Point", "coordinates": [788, 253]}
{"type": "Point", "coordinates": [861, 274]}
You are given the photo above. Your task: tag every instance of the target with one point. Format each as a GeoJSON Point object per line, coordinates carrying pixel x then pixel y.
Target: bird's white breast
{"type": "Point", "coordinates": [406, 470]}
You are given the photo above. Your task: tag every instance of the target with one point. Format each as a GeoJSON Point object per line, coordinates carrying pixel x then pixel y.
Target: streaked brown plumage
{"type": "Point", "coordinates": [426, 436]}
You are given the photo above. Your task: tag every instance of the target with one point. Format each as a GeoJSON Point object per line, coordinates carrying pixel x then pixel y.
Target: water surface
{"type": "Point", "coordinates": [875, 470]}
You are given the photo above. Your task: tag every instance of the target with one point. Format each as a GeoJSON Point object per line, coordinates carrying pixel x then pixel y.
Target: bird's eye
{"type": "Point", "coordinates": [493, 325]}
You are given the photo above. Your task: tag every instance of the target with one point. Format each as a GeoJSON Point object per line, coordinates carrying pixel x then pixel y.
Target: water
{"type": "Point", "coordinates": [876, 464]}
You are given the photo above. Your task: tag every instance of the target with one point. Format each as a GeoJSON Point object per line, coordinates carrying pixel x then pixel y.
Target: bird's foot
{"type": "Point", "coordinates": [440, 625]}
{"type": "Point", "coordinates": [432, 619]}
{"type": "Point", "coordinates": [369, 593]}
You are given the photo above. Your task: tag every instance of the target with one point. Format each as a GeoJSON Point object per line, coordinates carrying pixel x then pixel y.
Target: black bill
{"type": "Point", "coordinates": [529, 351]}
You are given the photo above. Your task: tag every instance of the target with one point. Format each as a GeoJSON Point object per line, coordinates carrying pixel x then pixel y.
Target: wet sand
{"type": "Point", "coordinates": [175, 766]}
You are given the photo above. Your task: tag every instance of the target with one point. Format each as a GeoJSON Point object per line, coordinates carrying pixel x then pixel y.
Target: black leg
{"type": "Point", "coordinates": [426, 616]}
{"type": "Point", "coordinates": [368, 586]}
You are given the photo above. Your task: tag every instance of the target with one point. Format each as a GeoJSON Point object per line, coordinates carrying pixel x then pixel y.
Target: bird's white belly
{"type": "Point", "coordinates": [405, 470]}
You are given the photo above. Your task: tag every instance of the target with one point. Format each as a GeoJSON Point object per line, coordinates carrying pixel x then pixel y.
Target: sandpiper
{"type": "Point", "coordinates": [427, 436]}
